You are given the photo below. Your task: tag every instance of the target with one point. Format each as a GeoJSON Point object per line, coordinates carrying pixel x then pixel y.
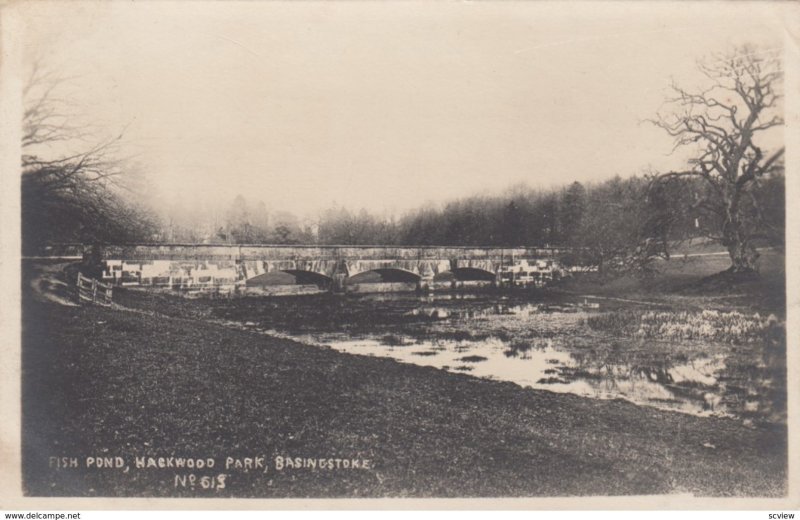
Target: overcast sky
{"type": "Point", "coordinates": [384, 105]}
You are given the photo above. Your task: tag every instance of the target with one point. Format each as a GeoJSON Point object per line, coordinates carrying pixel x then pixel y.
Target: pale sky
{"type": "Point", "coordinates": [385, 105]}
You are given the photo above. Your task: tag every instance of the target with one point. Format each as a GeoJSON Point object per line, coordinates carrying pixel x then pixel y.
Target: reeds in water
{"type": "Point", "coordinates": [707, 325]}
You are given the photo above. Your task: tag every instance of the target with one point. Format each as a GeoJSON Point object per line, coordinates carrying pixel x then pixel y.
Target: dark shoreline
{"type": "Point", "coordinates": [134, 384]}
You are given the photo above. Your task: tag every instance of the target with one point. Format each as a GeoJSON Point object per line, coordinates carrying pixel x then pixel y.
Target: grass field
{"type": "Point", "coordinates": [100, 382]}
{"type": "Point", "coordinates": [698, 282]}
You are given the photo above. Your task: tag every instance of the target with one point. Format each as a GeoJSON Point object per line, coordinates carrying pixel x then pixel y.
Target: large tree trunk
{"type": "Point", "coordinates": [743, 254]}
{"type": "Point", "coordinates": [735, 236]}
{"type": "Point", "coordinates": [743, 257]}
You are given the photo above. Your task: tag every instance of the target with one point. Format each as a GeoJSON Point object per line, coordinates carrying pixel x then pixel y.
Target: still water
{"type": "Point", "coordinates": [544, 345]}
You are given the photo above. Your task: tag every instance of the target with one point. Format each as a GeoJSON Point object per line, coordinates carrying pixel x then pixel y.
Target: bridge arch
{"type": "Point", "coordinates": [290, 277]}
{"type": "Point", "coordinates": [303, 277]}
{"type": "Point", "coordinates": [389, 274]}
{"type": "Point", "coordinates": [473, 273]}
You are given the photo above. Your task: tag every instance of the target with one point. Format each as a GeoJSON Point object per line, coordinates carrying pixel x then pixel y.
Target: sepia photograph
{"type": "Point", "coordinates": [398, 250]}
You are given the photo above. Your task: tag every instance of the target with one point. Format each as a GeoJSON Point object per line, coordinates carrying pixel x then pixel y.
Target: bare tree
{"type": "Point", "coordinates": [725, 121]}
{"type": "Point", "coordinates": [71, 179]}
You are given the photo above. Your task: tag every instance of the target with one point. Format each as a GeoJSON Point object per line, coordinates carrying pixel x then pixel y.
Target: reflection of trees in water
{"type": "Point", "coordinates": [616, 367]}
{"type": "Point", "coordinates": [658, 374]}
{"type": "Point", "coordinates": [521, 348]}
{"type": "Point", "coordinates": [749, 383]}
{"type": "Point", "coordinates": [755, 381]}
{"type": "Point", "coordinates": [748, 380]}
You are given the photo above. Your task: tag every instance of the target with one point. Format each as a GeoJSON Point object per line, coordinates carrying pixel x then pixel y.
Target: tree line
{"type": "Point", "coordinates": [731, 192]}
{"type": "Point", "coordinates": [622, 223]}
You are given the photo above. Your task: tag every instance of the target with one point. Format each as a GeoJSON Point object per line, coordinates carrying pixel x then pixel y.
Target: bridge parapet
{"type": "Point", "coordinates": [298, 252]}
{"type": "Point", "coordinates": [302, 252]}
{"type": "Point", "coordinates": [170, 252]}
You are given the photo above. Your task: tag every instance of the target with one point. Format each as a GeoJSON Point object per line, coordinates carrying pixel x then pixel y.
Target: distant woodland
{"type": "Point", "coordinates": [731, 192]}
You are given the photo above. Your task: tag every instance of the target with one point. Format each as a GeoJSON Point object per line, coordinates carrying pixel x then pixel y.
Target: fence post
{"type": "Point", "coordinates": [105, 290]}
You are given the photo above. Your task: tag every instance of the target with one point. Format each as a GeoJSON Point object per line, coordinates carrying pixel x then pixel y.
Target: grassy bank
{"type": "Point", "coordinates": [697, 282]}
{"type": "Point", "coordinates": [116, 383]}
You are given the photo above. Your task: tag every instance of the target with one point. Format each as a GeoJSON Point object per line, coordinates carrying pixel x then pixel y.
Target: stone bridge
{"type": "Point", "coordinates": [331, 266]}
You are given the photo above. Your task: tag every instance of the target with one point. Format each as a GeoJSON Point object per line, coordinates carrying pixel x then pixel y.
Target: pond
{"type": "Point", "coordinates": [542, 342]}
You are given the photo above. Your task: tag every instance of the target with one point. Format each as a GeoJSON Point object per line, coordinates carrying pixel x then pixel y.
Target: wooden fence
{"type": "Point", "coordinates": [92, 291]}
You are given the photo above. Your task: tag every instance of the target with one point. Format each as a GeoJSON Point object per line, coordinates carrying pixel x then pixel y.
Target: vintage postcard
{"type": "Point", "coordinates": [454, 254]}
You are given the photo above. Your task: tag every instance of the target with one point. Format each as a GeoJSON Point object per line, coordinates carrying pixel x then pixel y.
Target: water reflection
{"type": "Point", "coordinates": [689, 387]}
{"type": "Point", "coordinates": [546, 345]}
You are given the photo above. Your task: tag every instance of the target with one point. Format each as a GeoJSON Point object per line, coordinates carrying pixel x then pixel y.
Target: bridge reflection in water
{"type": "Point", "coordinates": [191, 266]}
